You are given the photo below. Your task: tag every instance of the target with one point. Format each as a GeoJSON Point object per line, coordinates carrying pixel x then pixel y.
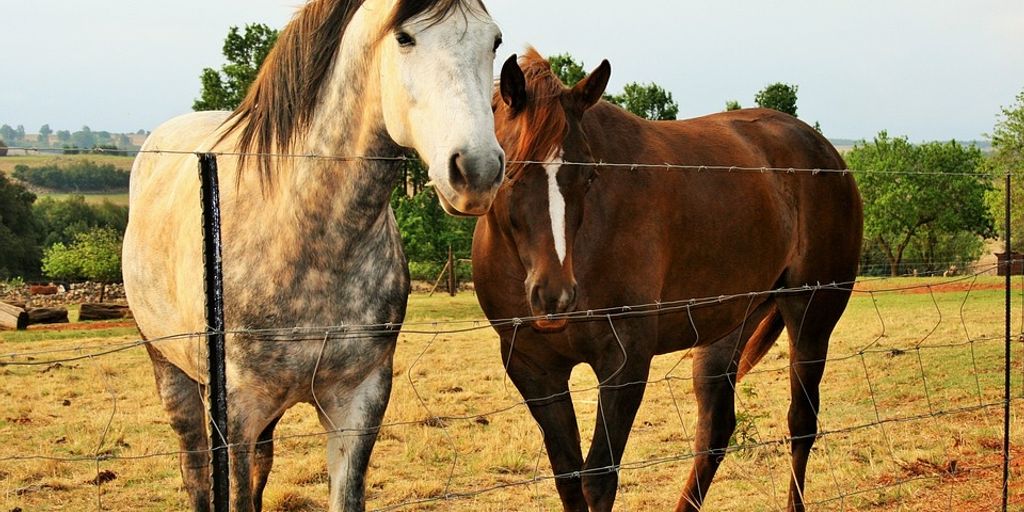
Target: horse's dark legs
{"type": "Point", "coordinates": [262, 462]}
{"type": "Point", "coordinates": [714, 381]}
{"type": "Point", "coordinates": [809, 322]}
{"type": "Point", "coordinates": [182, 399]}
{"type": "Point", "coordinates": [545, 387]}
{"type": "Point", "coordinates": [621, 392]}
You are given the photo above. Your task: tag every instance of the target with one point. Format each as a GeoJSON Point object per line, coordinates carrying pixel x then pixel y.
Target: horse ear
{"type": "Point", "coordinates": [589, 91]}
{"type": "Point", "coordinates": [513, 84]}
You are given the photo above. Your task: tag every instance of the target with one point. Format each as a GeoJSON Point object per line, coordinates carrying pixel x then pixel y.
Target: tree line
{"type": "Point", "coordinates": [928, 207]}
{"type": "Point", "coordinates": [84, 138]}
{"type": "Point", "coordinates": [77, 176]}
{"type": "Point", "coordinates": [38, 235]}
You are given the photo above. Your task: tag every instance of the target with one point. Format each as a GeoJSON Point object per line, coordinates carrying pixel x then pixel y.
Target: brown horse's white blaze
{"type": "Point", "coordinates": [651, 236]}
{"type": "Point", "coordinates": [554, 291]}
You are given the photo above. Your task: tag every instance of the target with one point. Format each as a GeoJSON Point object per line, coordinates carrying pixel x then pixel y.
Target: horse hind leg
{"type": "Point", "coordinates": [714, 382]}
{"type": "Point", "coordinates": [182, 399]}
{"type": "Point", "coordinates": [810, 319]}
{"type": "Point", "coordinates": [262, 462]}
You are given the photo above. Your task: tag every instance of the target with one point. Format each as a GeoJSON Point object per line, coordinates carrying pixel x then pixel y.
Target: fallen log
{"type": "Point", "coordinates": [103, 311]}
{"type": "Point", "coordinates": [13, 317]}
{"type": "Point", "coordinates": [47, 316]}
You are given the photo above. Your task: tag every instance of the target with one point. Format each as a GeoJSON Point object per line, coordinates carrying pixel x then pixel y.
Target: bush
{"type": "Point", "coordinates": [60, 220]}
{"type": "Point", "coordinates": [427, 232]}
{"type": "Point", "coordinates": [19, 231]}
{"type": "Point", "coordinates": [3, 148]}
{"type": "Point", "coordinates": [76, 177]}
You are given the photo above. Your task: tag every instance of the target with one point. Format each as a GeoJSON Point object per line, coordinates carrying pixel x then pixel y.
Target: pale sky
{"type": "Point", "coordinates": [926, 69]}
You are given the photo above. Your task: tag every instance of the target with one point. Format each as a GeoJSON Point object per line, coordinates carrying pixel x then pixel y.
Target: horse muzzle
{"type": "Point", "coordinates": [548, 300]}
{"type": "Point", "coordinates": [473, 179]}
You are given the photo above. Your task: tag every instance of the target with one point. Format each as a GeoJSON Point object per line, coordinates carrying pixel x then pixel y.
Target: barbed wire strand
{"type": "Point", "coordinates": [631, 166]}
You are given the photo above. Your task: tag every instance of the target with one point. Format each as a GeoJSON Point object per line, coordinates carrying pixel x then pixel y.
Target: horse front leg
{"type": "Point", "coordinates": [352, 421]}
{"type": "Point", "coordinates": [714, 382]}
{"type": "Point", "coordinates": [622, 387]}
{"type": "Point", "coordinates": [544, 383]}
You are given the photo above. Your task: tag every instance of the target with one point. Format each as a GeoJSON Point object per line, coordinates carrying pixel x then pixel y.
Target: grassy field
{"type": "Point", "coordinates": [8, 163]}
{"type": "Point", "coordinates": [936, 448]}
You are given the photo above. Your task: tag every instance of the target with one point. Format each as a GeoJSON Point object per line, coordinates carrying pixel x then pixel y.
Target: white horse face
{"type": "Point", "coordinates": [436, 80]}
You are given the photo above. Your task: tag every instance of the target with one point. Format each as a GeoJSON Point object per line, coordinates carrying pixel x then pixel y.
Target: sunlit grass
{"type": "Point", "coordinates": [895, 356]}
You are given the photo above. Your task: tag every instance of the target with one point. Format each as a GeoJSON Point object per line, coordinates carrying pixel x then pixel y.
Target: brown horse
{"type": "Point", "coordinates": [565, 237]}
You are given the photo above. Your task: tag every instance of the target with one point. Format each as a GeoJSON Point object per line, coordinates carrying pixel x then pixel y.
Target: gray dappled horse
{"type": "Point", "coordinates": [309, 242]}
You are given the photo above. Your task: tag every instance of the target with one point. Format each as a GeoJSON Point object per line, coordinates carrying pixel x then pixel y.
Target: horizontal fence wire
{"type": "Point", "coordinates": [435, 327]}
{"type": "Point", "coordinates": [462, 326]}
{"type": "Point", "coordinates": [612, 314]}
{"type": "Point", "coordinates": [633, 166]}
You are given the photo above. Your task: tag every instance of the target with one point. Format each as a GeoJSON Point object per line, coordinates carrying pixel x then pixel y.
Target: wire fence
{"type": "Point", "coordinates": [910, 414]}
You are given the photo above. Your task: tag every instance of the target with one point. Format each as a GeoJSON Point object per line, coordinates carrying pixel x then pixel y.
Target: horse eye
{"type": "Point", "coordinates": [497, 43]}
{"type": "Point", "coordinates": [405, 40]}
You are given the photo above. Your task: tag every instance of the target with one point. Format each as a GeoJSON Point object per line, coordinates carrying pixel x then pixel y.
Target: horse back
{"type": "Point", "coordinates": [661, 234]}
{"type": "Point", "coordinates": [163, 245]}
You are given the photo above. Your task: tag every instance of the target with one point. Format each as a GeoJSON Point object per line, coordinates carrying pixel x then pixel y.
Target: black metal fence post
{"type": "Point", "coordinates": [1006, 368]}
{"type": "Point", "coordinates": [214, 285]}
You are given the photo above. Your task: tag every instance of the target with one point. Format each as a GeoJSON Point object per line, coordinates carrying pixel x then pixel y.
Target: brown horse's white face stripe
{"type": "Point", "coordinates": [556, 203]}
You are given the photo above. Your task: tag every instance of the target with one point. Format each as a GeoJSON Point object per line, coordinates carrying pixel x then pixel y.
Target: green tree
{"type": "Point", "coordinates": [427, 232]}
{"type": "Point", "coordinates": [63, 136]}
{"type": "Point", "coordinates": [61, 220]}
{"type": "Point", "coordinates": [84, 138]}
{"type": "Point", "coordinates": [647, 100]}
{"type": "Point", "coordinates": [19, 247]}
{"type": "Point", "coordinates": [94, 255]}
{"type": "Point", "coordinates": [567, 69]}
{"type": "Point", "coordinates": [245, 52]}
{"type": "Point", "coordinates": [778, 96]}
{"type": "Point", "coordinates": [732, 105]}
{"type": "Point", "coordinates": [44, 135]}
{"type": "Point", "coordinates": [1008, 158]}
{"type": "Point", "coordinates": [921, 196]}
{"type": "Point", "coordinates": [650, 101]}
{"type": "Point", "coordinates": [7, 133]}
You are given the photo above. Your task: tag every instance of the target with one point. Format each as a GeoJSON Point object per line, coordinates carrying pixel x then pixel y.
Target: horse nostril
{"type": "Point", "coordinates": [456, 174]}
{"type": "Point", "coordinates": [535, 301]}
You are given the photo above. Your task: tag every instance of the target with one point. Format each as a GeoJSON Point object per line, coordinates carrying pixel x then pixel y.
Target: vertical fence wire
{"type": "Point", "coordinates": [1006, 363]}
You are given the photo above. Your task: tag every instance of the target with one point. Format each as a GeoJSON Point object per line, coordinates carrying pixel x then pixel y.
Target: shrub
{"type": "Point", "coordinates": [77, 177]}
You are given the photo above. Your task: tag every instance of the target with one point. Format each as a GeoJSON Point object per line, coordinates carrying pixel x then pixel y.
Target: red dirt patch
{"type": "Point", "coordinates": [960, 287]}
{"type": "Point", "coordinates": [82, 326]}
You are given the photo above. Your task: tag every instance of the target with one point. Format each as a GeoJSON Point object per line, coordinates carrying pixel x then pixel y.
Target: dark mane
{"type": "Point", "coordinates": [282, 100]}
{"type": "Point", "coordinates": [533, 133]}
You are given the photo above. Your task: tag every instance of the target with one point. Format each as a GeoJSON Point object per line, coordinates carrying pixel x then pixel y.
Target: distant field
{"type": "Point", "coordinates": [8, 163]}
{"type": "Point", "coordinates": [118, 198]}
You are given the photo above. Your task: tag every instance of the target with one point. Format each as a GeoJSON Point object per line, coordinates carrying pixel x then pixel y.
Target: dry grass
{"type": "Point", "coordinates": [946, 462]}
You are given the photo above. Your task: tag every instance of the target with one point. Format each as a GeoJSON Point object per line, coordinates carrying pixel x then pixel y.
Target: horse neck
{"type": "Point", "coordinates": [331, 205]}
{"type": "Point", "coordinates": [341, 187]}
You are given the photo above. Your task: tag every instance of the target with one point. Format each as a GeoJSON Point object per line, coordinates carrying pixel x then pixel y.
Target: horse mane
{"type": "Point", "coordinates": [533, 133]}
{"type": "Point", "coordinates": [283, 98]}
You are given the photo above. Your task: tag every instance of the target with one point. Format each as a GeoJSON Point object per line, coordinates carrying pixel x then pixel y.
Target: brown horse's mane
{"type": "Point", "coordinates": [533, 133]}
{"type": "Point", "coordinates": [282, 100]}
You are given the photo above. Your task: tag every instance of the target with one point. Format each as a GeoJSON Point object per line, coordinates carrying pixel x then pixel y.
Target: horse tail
{"type": "Point", "coordinates": [761, 341]}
